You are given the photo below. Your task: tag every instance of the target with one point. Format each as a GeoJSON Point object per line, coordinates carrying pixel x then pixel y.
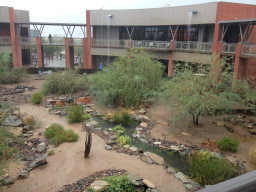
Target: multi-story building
{"type": "Point", "coordinates": [192, 33]}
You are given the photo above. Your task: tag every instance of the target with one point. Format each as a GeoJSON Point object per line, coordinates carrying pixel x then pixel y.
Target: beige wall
{"type": "Point", "coordinates": [4, 14]}
{"type": "Point", "coordinates": [206, 13]}
{"type": "Point", "coordinates": [102, 32]}
{"type": "Point", "coordinates": [21, 16]}
{"type": "Point", "coordinates": [111, 51]}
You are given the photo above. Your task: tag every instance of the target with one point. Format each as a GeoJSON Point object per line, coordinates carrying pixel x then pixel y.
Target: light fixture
{"type": "Point", "coordinates": [110, 15]}
{"type": "Point", "coordinates": [194, 12]}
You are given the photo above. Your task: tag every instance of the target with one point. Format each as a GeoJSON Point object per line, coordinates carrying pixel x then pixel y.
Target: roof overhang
{"type": "Point", "coordinates": [252, 20]}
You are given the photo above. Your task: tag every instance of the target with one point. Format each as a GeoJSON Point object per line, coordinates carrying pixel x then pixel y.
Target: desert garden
{"type": "Point", "coordinates": [125, 128]}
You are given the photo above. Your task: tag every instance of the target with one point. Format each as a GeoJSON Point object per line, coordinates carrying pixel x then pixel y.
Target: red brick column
{"type": "Point", "coordinates": [40, 53]}
{"type": "Point", "coordinates": [171, 63]}
{"type": "Point", "coordinates": [237, 61]}
{"type": "Point", "coordinates": [69, 52]}
{"type": "Point", "coordinates": [88, 46]}
{"type": "Point", "coordinates": [16, 47]}
{"type": "Point", "coordinates": [85, 66]}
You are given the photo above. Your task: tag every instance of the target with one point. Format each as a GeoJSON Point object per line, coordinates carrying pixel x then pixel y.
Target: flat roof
{"type": "Point", "coordinates": [55, 24]}
{"type": "Point", "coordinates": [252, 20]}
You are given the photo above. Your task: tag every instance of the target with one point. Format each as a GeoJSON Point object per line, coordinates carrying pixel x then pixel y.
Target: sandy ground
{"type": "Point", "coordinates": [68, 164]}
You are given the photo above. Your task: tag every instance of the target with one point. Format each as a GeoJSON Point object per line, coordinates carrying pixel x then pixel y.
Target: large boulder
{"type": "Point", "coordinates": [38, 162]}
{"type": "Point", "coordinates": [99, 185]}
{"type": "Point", "coordinates": [183, 178]}
{"type": "Point", "coordinates": [23, 174]}
{"type": "Point", "coordinates": [12, 121]}
{"type": "Point", "coordinates": [28, 120]}
{"type": "Point", "coordinates": [149, 184]}
{"type": "Point", "coordinates": [41, 147]}
{"type": "Point", "coordinates": [156, 158]}
{"type": "Point", "coordinates": [135, 179]}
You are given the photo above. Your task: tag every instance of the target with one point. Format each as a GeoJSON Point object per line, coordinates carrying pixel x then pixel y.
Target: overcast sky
{"type": "Point", "coordinates": [73, 11]}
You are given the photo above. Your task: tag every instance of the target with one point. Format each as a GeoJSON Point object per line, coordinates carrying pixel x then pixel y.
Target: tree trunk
{"type": "Point", "coordinates": [88, 141]}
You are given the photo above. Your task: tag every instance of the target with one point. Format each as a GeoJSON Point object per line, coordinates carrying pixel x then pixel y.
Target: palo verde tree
{"type": "Point", "coordinates": [200, 91]}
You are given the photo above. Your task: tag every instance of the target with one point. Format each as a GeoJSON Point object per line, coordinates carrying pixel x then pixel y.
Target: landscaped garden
{"type": "Point", "coordinates": [126, 128]}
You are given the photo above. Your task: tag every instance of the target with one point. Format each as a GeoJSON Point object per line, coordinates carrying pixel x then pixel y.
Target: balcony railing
{"type": "Point", "coordinates": [5, 41]}
{"type": "Point", "coordinates": [228, 48]}
{"type": "Point", "coordinates": [76, 41]}
{"type": "Point", "coordinates": [26, 41]}
{"type": "Point", "coordinates": [53, 41]}
{"type": "Point", "coordinates": [152, 44]}
{"type": "Point", "coordinates": [193, 46]}
{"type": "Point", "coordinates": [109, 43]}
{"type": "Point", "coordinates": [249, 50]}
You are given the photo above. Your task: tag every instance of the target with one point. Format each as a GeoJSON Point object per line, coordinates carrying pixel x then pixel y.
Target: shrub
{"type": "Point", "coordinates": [119, 128]}
{"type": "Point", "coordinates": [37, 98]}
{"type": "Point", "coordinates": [124, 140]}
{"type": "Point", "coordinates": [127, 80]}
{"type": "Point", "coordinates": [124, 118]}
{"type": "Point", "coordinates": [57, 107]}
{"type": "Point", "coordinates": [64, 82]}
{"type": "Point", "coordinates": [51, 152]}
{"type": "Point", "coordinates": [208, 170]}
{"type": "Point", "coordinates": [227, 144]}
{"type": "Point", "coordinates": [86, 116]}
{"type": "Point", "coordinates": [252, 155]}
{"type": "Point", "coordinates": [75, 113]}
{"type": "Point", "coordinates": [57, 134]}
{"type": "Point", "coordinates": [120, 184]}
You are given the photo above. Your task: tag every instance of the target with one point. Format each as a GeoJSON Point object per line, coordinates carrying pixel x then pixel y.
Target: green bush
{"type": "Point", "coordinates": [208, 170]}
{"type": "Point", "coordinates": [127, 80]}
{"type": "Point", "coordinates": [51, 152]}
{"type": "Point", "coordinates": [86, 116]}
{"type": "Point", "coordinates": [121, 184]}
{"type": "Point", "coordinates": [119, 128]}
{"type": "Point", "coordinates": [57, 134]}
{"type": "Point", "coordinates": [75, 113]}
{"type": "Point", "coordinates": [64, 82]}
{"type": "Point", "coordinates": [124, 140]}
{"type": "Point", "coordinates": [37, 98]}
{"type": "Point", "coordinates": [227, 144]}
{"type": "Point", "coordinates": [124, 118]}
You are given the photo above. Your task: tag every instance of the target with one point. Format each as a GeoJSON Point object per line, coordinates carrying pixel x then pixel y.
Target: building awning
{"type": "Point", "coordinates": [252, 21]}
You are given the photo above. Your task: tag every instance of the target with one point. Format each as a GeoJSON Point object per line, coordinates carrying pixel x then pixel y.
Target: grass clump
{"type": "Point", "coordinates": [120, 184]}
{"type": "Point", "coordinates": [119, 128]}
{"type": "Point", "coordinates": [228, 144]}
{"type": "Point", "coordinates": [57, 134]}
{"type": "Point", "coordinates": [208, 170]}
{"type": "Point", "coordinates": [252, 155]}
{"type": "Point", "coordinates": [124, 140]}
{"type": "Point", "coordinates": [75, 113]}
{"type": "Point", "coordinates": [37, 98]}
{"type": "Point", "coordinates": [64, 82]}
{"type": "Point", "coordinates": [50, 152]}
{"type": "Point", "coordinates": [128, 80]}
{"type": "Point", "coordinates": [123, 118]}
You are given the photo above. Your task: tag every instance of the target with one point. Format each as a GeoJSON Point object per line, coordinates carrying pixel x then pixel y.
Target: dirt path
{"type": "Point", "coordinates": [68, 164]}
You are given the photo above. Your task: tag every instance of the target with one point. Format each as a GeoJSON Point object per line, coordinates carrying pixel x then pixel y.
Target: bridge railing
{"type": "Point", "coordinates": [249, 50]}
{"type": "Point", "coordinates": [193, 46]}
{"type": "Point", "coordinates": [5, 40]}
{"type": "Point", "coordinates": [53, 41]}
{"type": "Point", "coordinates": [228, 48]}
{"type": "Point", "coordinates": [109, 43]}
{"type": "Point", "coordinates": [152, 44]}
{"type": "Point", "coordinates": [76, 41]}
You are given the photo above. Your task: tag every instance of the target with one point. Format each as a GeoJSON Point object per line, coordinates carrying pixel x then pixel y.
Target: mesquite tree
{"type": "Point", "coordinates": [88, 140]}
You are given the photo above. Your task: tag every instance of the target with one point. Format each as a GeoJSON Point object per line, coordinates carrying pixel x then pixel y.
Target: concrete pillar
{"type": "Point", "coordinates": [16, 46]}
{"type": "Point", "coordinates": [171, 62]}
{"type": "Point", "coordinates": [40, 53]}
{"type": "Point", "coordinates": [88, 46]}
{"type": "Point", "coordinates": [238, 62]}
{"type": "Point", "coordinates": [69, 52]}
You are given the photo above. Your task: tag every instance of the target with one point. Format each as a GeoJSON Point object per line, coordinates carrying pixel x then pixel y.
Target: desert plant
{"type": "Point", "coordinates": [119, 128]}
{"type": "Point", "coordinates": [123, 118]}
{"type": "Point", "coordinates": [37, 98]}
{"type": "Point", "coordinates": [57, 107]}
{"type": "Point", "coordinates": [50, 152]}
{"type": "Point", "coordinates": [208, 170]}
{"type": "Point", "coordinates": [228, 144]}
{"type": "Point", "coordinates": [86, 116]}
{"type": "Point", "coordinates": [124, 140]}
{"type": "Point", "coordinates": [127, 80]}
{"type": "Point", "coordinates": [57, 134]}
{"type": "Point", "coordinates": [252, 155]}
{"type": "Point", "coordinates": [64, 82]}
{"type": "Point", "coordinates": [75, 113]}
{"type": "Point", "coordinates": [120, 184]}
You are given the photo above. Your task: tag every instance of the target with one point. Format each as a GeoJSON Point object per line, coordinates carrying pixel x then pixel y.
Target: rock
{"type": "Point", "coordinates": [108, 147]}
{"type": "Point", "coordinates": [143, 140]}
{"type": "Point", "coordinates": [157, 159]}
{"type": "Point", "coordinates": [195, 185]}
{"type": "Point", "coordinates": [84, 100]}
{"type": "Point", "coordinates": [163, 147]}
{"type": "Point", "coordinates": [183, 178]}
{"type": "Point", "coordinates": [157, 143]}
{"type": "Point", "coordinates": [99, 185]}
{"type": "Point", "coordinates": [188, 186]}
{"type": "Point", "coordinates": [29, 120]}
{"type": "Point", "coordinates": [171, 170]}
{"type": "Point", "coordinates": [41, 147]}
{"type": "Point", "coordinates": [250, 126]}
{"type": "Point", "coordinates": [220, 123]}
{"type": "Point", "coordinates": [147, 159]}
{"type": "Point", "coordinates": [51, 101]}
{"type": "Point", "coordinates": [217, 155]}
{"type": "Point", "coordinates": [8, 181]}
{"type": "Point", "coordinates": [27, 135]}
{"type": "Point", "coordinates": [252, 131]}
{"type": "Point", "coordinates": [112, 137]}
{"type": "Point", "coordinates": [144, 125]}
{"type": "Point", "coordinates": [23, 174]}
{"type": "Point", "coordinates": [139, 128]}
{"type": "Point", "coordinates": [232, 160]}
{"type": "Point", "coordinates": [142, 118]}
{"type": "Point", "coordinates": [230, 129]}
{"type": "Point", "coordinates": [92, 124]}
{"type": "Point", "coordinates": [17, 131]}
{"type": "Point", "coordinates": [40, 161]}
{"type": "Point", "coordinates": [12, 121]}
{"type": "Point", "coordinates": [132, 148]}
{"type": "Point", "coordinates": [174, 148]}
{"type": "Point", "coordinates": [148, 183]}
{"type": "Point", "coordinates": [142, 111]}
{"type": "Point", "coordinates": [135, 179]}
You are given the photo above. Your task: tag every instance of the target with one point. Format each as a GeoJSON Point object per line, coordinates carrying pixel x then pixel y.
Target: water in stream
{"type": "Point", "coordinates": [175, 160]}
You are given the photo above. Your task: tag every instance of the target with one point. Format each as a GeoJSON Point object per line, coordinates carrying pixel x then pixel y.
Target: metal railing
{"type": "Point", "coordinates": [249, 49]}
{"type": "Point", "coordinates": [76, 41]}
{"type": "Point", "coordinates": [193, 46]}
{"type": "Point", "coordinates": [26, 41]}
{"type": "Point", "coordinates": [53, 41]}
{"type": "Point", "coordinates": [5, 40]}
{"type": "Point", "coordinates": [109, 43]}
{"type": "Point", "coordinates": [152, 44]}
{"type": "Point", "coordinates": [228, 48]}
